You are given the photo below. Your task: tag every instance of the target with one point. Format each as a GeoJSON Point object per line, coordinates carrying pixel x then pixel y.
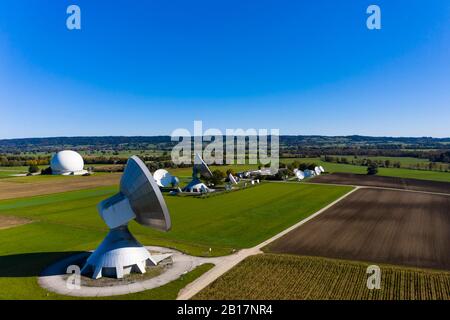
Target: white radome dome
{"type": "Point", "coordinates": [67, 162]}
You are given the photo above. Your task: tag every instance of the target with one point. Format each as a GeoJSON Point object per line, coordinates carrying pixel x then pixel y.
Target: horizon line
{"type": "Point", "coordinates": [281, 135]}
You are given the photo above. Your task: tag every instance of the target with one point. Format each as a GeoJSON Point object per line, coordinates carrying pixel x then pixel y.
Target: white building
{"type": "Point", "coordinates": [67, 162]}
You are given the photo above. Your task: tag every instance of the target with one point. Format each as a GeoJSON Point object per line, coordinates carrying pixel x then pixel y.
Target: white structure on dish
{"type": "Point", "coordinates": [232, 179]}
{"type": "Point", "coordinates": [200, 169]}
{"type": "Point", "coordinates": [67, 163]}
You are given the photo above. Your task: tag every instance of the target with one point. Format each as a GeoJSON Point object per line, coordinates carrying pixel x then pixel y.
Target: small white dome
{"type": "Point", "coordinates": [67, 162]}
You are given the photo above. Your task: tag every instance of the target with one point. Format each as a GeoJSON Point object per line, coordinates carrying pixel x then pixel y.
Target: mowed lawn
{"type": "Point", "coordinates": [223, 222]}
{"type": "Point", "coordinates": [68, 222]}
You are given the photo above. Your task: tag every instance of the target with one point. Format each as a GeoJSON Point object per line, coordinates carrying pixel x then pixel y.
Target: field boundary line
{"type": "Point", "coordinates": [228, 262]}
{"type": "Point", "coordinates": [382, 188]}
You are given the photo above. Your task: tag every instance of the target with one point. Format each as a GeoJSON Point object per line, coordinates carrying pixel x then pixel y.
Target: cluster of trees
{"type": "Point", "coordinates": [218, 176]}
{"type": "Point", "coordinates": [372, 168]}
{"type": "Point", "coordinates": [33, 169]}
{"type": "Point", "coordinates": [432, 166]}
{"type": "Point", "coordinates": [168, 164]}
{"type": "Point", "coordinates": [19, 161]}
{"type": "Point", "coordinates": [440, 157]}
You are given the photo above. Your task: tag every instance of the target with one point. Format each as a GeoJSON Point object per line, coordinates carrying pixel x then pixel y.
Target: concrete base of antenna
{"type": "Point", "coordinates": [120, 254]}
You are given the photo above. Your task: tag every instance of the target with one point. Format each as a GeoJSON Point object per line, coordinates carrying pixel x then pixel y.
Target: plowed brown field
{"type": "Point", "coordinates": [383, 182]}
{"type": "Point", "coordinates": [376, 225]}
{"type": "Point", "coordinates": [30, 186]}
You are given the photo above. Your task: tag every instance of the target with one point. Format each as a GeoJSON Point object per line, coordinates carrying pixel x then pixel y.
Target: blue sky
{"type": "Point", "coordinates": [149, 67]}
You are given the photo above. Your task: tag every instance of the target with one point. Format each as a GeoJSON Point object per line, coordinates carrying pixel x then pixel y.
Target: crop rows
{"type": "Point", "coordinates": [274, 276]}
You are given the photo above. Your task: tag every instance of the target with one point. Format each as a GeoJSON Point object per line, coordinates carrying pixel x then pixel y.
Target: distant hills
{"type": "Point", "coordinates": [287, 143]}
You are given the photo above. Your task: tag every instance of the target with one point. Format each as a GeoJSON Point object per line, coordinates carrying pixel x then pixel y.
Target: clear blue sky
{"type": "Point", "coordinates": [149, 67]}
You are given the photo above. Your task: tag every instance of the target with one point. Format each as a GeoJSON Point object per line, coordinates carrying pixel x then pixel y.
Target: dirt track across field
{"type": "Point", "coordinates": [375, 225]}
{"type": "Point", "coordinates": [10, 189]}
{"type": "Point", "coordinates": [11, 221]}
{"type": "Point", "coordinates": [383, 182]}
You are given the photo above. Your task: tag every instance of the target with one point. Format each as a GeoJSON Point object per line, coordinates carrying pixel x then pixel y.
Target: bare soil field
{"type": "Point", "coordinates": [383, 182]}
{"type": "Point", "coordinates": [376, 225]}
{"type": "Point", "coordinates": [11, 221]}
{"type": "Point", "coordinates": [278, 276]}
{"type": "Point", "coordinates": [15, 188]}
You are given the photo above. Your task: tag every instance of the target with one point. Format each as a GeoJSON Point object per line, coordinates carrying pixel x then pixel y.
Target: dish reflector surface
{"type": "Point", "coordinates": [144, 195]}
{"type": "Point", "coordinates": [162, 177]}
{"type": "Point", "coordinates": [232, 179]}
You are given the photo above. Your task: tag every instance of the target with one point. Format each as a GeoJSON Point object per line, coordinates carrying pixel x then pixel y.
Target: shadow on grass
{"type": "Point", "coordinates": [32, 264]}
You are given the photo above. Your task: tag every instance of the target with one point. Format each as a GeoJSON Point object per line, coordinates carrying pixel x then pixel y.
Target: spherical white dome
{"type": "Point", "coordinates": [67, 162]}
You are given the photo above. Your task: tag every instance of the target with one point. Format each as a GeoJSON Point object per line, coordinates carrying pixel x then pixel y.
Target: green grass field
{"type": "Point", "coordinates": [275, 276]}
{"type": "Point", "coordinates": [6, 172]}
{"type": "Point", "coordinates": [69, 222]}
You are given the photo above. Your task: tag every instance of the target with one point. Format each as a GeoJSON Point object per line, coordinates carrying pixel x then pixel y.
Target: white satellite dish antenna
{"type": "Point", "coordinates": [295, 171]}
{"type": "Point", "coordinates": [139, 198]}
{"type": "Point", "coordinates": [163, 178]}
{"type": "Point", "coordinates": [232, 179]}
{"type": "Point", "coordinates": [200, 167]}
{"type": "Point", "coordinates": [317, 170]}
{"type": "Point", "coordinates": [321, 169]}
{"type": "Point", "coordinates": [300, 175]}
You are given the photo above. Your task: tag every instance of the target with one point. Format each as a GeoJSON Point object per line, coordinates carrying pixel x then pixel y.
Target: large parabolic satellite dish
{"type": "Point", "coordinates": [300, 175]}
{"type": "Point", "coordinates": [139, 198]}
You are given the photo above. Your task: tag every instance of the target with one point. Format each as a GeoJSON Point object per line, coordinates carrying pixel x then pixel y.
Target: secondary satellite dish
{"type": "Point", "coordinates": [317, 170]}
{"type": "Point", "coordinates": [295, 171]}
{"type": "Point", "coordinates": [321, 169]}
{"type": "Point", "coordinates": [163, 178]}
{"type": "Point", "coordinates": [300, 175]}
{"type": "Point", "coordinates": [139, 198]}
{"type": "Point", "coordinates": [200, 167]}
{"type": "Point", "coordinates": [232, 179]}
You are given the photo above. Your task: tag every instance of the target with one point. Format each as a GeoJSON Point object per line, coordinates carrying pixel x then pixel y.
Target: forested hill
{"type": "Point", "coordinates": [288, 143]}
